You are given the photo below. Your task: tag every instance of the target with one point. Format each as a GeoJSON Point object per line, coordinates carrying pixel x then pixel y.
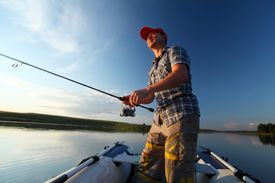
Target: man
{"type": "Point", "coordinates": [172, 140]}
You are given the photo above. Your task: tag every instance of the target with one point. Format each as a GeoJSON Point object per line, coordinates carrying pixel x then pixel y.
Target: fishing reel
{"type": "Point", "coordinates": [127, 111]}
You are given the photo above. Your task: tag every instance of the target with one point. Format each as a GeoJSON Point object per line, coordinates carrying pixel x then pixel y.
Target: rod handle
{"type": "Point", "coordinates": [142, 106]}
{"type": "Point", "coordinates": [148, 108]}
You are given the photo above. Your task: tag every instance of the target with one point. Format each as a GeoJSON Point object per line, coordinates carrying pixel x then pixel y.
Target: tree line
{"type": "Point", "coordinates": [266, 128]}
{"type": "Point", "coordinates": [33, 120]}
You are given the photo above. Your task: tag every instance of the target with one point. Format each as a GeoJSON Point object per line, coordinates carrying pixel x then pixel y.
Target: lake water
{"type": "Point", "coordinates": [30, 156]}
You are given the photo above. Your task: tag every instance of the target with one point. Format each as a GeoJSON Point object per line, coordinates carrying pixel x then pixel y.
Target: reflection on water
{"type": "Point", "coordinates": [243, 151]}
{"type": "Point", "coordinates": [28, 155]}
{"type": "Point", "coordinates": [267, 139]}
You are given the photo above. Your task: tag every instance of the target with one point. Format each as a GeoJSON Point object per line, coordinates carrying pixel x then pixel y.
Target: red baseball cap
{"type": "Point", "coordinates": [146, 31]}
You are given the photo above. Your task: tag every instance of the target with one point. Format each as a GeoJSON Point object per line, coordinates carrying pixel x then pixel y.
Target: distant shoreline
{"type": "Point", "coordinates": [44, 125]}
{"type": "Point", "coordinates": [34, 120]}
{"type": "Point", "coordinates": [43, 121]}
{"type": "Point", "coordinates": [244, 132]}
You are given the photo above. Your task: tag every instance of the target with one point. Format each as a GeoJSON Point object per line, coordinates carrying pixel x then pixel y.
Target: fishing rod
{"type": "Point", "coordinates": [63, 77]}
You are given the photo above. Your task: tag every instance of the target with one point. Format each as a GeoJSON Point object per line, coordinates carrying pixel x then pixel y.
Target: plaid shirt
{"type": "Point", "coordinates": [177, 102]}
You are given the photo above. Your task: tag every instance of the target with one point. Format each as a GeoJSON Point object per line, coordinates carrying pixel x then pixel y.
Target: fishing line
{"type": "Point", "coordinates": [63, 77]}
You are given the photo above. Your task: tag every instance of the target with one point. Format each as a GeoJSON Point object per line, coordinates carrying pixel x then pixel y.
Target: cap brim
{"type": "Point", "coordinates": [145, 32]}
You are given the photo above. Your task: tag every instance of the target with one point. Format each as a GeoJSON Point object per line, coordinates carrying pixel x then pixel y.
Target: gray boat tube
{"type": "Point", "coordinates": [61, 178]}
{"type": "Point", "coordinates": [237, 172]}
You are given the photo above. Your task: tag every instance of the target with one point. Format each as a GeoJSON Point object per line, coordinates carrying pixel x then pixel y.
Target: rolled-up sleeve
{"type": "Point", "coordinates": [178, 55]}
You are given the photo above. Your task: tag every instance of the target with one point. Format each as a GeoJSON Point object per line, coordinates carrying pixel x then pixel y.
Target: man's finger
{"type": "Point", "coordinates": [132, 100]}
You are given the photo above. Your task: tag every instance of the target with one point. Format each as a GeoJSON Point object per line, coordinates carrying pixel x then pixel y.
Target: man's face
{"type": "Point", "coordinates": [155, 40]}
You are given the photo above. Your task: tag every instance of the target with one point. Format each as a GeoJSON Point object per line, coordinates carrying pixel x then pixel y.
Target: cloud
{"type": "Point", "coordinates": [101, 47]}
{"type": "Point", "coordinates": [50, 97]}
{"type": "Point", "coordinates": [231, 126]}
{"type": "Point", "coordinates": [58, 23]}
{"type": "Point", "coordinates": [18, 83]}
{"type": "Point", "coordinates": [90, 104]}
{"type": "Point", "coordinates": [23, 96]}
{"type": "Point", "coordinates": [253, 126]}
{"type": "Point", "coordinates": [69, 68]}
{"type": "Point", "coordinates": [240, 126]}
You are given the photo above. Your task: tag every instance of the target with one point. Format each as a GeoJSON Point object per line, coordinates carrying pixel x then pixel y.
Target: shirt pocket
{"type": "Point", "coordinates": [150, 77]}
{"type": "Point", "coordinates": [164, 68]}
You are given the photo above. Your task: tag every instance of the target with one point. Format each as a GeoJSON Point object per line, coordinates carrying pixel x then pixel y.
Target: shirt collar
{"type": "Point", "coordinates": [156, 60]}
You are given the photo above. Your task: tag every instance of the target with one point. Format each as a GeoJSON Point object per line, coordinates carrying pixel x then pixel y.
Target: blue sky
{"type": "Point", "coordinates": [231, 45]}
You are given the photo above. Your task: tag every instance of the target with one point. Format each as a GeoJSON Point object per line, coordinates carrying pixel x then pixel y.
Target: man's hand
{"type": "Point", "coordinates": [126, 100]}
{"type": "Point", "coordinates": [140, 96]}
{"type": "Point", "coordinates": [144, 96]}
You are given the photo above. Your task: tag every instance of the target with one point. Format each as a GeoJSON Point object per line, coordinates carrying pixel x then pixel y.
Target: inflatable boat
{"type": "Point", "coordinates": [117, 164]}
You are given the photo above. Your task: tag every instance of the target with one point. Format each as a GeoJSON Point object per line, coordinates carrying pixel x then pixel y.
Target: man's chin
{"type": "Point", "coordinates": [152, 46]}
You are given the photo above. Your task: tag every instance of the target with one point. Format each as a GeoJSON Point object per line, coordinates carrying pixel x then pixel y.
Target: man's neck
{"type": "Point", "coordinates": [158, 51]}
